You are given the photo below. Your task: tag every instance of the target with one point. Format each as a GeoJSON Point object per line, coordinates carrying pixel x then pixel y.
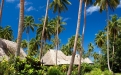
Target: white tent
{"type": "Point", "coordinates": [50, 58]}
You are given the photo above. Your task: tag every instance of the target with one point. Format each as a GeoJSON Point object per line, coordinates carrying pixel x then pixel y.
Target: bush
{"type": "Point", "coordinates": [53, 71]}
{"type": "Point", "coordinates": [107, 72]}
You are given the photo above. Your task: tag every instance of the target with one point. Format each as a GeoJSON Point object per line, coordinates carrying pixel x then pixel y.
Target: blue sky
{"type": "Point", "coordinates": [95, 20]}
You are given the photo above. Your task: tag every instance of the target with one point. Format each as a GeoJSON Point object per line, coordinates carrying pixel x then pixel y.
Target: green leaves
{"type": "Point", "coordinates": [6, 33]}
{"type": "Point", "coordinates": [59, 5]}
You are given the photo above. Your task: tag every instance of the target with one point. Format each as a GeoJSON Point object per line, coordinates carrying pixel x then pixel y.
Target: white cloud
{"type": "Point", "coordinates": [27, 6]}
{"type": "Point", "coordinates": [65, 19]}
{"type": "Point", "coordinates": [92, 9]}
{"type": "Point", "coordinates": [119, 6]}
{"type": "Point", "coordinates": [30, 8]}
{"type": "Point", "coordinates": [41, 7]}
{"type": "Point", "coordinates": [10, 1]}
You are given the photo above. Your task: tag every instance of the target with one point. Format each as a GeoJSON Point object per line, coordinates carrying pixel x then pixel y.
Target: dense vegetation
{"type": "Point", "coordinates": [106, 62]}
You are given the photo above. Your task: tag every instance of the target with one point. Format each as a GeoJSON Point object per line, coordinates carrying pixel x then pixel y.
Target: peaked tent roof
{"type": "Point", "coordinates": [50, 58]}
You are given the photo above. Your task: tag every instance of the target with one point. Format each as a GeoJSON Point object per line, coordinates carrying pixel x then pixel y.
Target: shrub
{"type": "Point", "coordinates": [107, 72]}
{"type": "Point", "coordinates": [53, 71]}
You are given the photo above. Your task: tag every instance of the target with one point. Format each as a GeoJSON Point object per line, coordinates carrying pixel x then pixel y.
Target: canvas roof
{"type": "Point", "coordinates": [50, 58]}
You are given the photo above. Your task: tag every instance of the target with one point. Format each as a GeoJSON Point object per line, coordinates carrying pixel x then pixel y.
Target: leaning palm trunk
{"type": "Point", "coordinates": [108, 38]}
{"type": "Point", "coordinates": [20, 28]}
{"type": "Point", "coordinates": [46, 14]}
{"type": "Point", "coordinates": [79, 67]}
{"type": "Point", "coordinates": [1, 9]}
{"type": "Point", "coordinates": [76, 37]}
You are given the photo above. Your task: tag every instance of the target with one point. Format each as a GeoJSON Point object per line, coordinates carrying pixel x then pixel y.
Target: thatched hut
{"type": "Point", "coordinates": [50, 58]}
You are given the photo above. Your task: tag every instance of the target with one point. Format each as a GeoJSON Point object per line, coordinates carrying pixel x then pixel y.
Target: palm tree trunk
{"type": "Point", "coordinates": [57, 38]}
{"type": "Point", "coordinates": [46, 14]}
{"type": "Point", "coordinates": [113, 51]}
{"type": "Point", "coordinates": [20, 28]}
{"type": "Point", "coordinates": [76, 37]}
{"type": "Point", "coordinates": [1, 9]}
{"type": "Point", "coordinates": [82, 42]}
{"type": "Point", "coordinates": [28, 42]}
{"type": "Point", "coordinates": [108, 38]}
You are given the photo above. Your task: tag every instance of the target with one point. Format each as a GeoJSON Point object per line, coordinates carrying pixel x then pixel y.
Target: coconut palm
{"type": "Point", "coordinates": [114, 27]}
{"type": "Point", "coordinates": [54, 22]}
{"type": "Point", "coordinates": [33, 47]}
{"type": "Point", "coordinates": [66, 49]}
{"type": "Point", "coordinates": [28, 25]}
{"type": "Point", "coordinates": [7, 33]}
{"type": "Point", "coordinates": [104, 4]}
{"type": "Point", "coordinates": [24, 44]}
{"type": "Point", "coordinates": [48, 31]}
{"type": "Point", "coordinates": [20, 27]}
{"type": "Point", "coordinates": [96, 56]}
{"type": "Point", "coordinates": [76, 37]}
{"type": "Point", "coordinates": [90, 49]}
{"type": "Point", "coordinates": [43, 31]}
{"type": "Point", "coordinates": [1, 9]}
{"type": "Point", "coordinates": [86, 2]}
{"type": "Point", "coordinates": [100, 39]}
{"type": "Point", "coordinates": [59, 6]}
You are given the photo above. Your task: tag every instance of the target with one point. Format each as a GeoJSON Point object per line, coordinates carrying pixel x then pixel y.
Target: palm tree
{"type": "Point", "coordinates": [100, 39]}
{"type": "Point", "coordinates": [34, 46]}
{"type": "Point", "coordinates": [6, 33]}
{"type": "Point", "coordinates": [1, 9]}
{"type": "Point", "coordinates": [24, 44]}
{"type": "Point", "coordinates": [66, 49]}
{"type": "Point", "coordinates": [20, 28]}
{"type": "Point", "coordinates": [28, 25]}
{"type": "Point", "coordinates": [86, 2]}
{"type": "Point", "coordinates": [48, 31]}
{"type": "Point", "coordinates": [76, 37]}
{"type": "Point", "coordinates": [104, 4]}
{"type": "Point", "coordinates": [90, 49]}
{"type": "Point", "coordinates": [114, 29]}
{"type": "Point", "coordinates": [96, 56]}
{"type": "Point", "coordinates": [43, 31]}
{"type": "Point", "coordinates": [59, 6]}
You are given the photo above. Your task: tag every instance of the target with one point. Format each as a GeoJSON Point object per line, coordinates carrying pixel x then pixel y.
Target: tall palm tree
{"type": "Point", "coordinates": [104, 4]}
{"type": "Point", "coordinates": [59, 6]}
{"type": "Point", "coordinates": [114, 27]}
{"type": "Point", "coordinates": [86, 2]}
{"type": "Point", "coordinates": [48, 32]}
{"type": "Point", "coordinates": [43, 31]}
{"type": "Point", "coordinates": [20, 28]}
{"type": "Point", "coordinates": [76, 37]}
{"type": "Point", "coordinates": [1, 9]}
{"type": "Point", "coordinates": [28, 25]}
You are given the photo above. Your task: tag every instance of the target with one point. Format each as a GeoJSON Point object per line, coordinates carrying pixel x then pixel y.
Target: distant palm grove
{"type": "Point", "coordinates": [108, 40]}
